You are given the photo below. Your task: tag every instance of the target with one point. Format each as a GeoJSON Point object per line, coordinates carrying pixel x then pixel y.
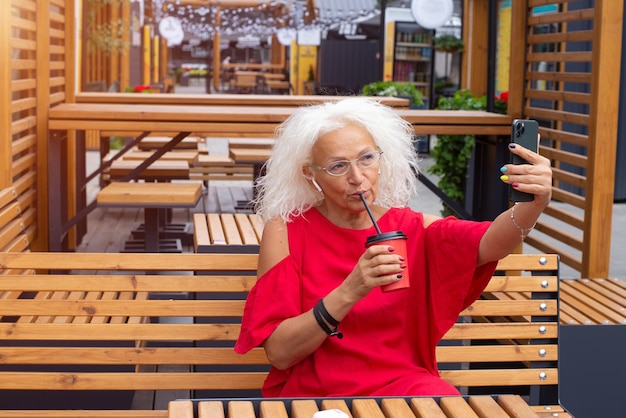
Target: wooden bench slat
{"type": "Point", "coordinates": [124, 332]}
{"type": "Point", "coordinates": [455, 407]}
{"type": "Point", "coordinates": [233, 237]}
{"type": "Point", "coordinates": [180, 409]}
{"type": "Point", "coordinates": [501, 377]}
{"type": "Point", "coordinates": [216, 232]}
{"type": "Point", "coordinates": [336, 404]}
{"type": "Point", "coordinates": [486, 406]}
{"type": "Point", "coordinates": [497, 353]}
{"type": "Point", "coordinates": [426, 407]}
{"type": "Point", "coordinates": [128, 283]}
{"type": "Point", "coordinates": [246, 230]}
{"type": "Point", "coordinates": [273, 409]}
{"type": "Point", "coordinates": [210, 409]}
{"type": "Point", "coordinates": [303, 408]}
{"type": "Point", "coordinates": [131, 380]}
{"type": "Point", "coordinates": [108, 355]}
{"type": "Point", "coordinates": [243, 409]}
{"type": "Point", "coordinates": [84, 414]}
{"type": "Point", "coordinates": [366, 408]}
{"type": "Point", "coordinates": [515, 406]}
{"type": "Point", "coordinates": [395, 407]}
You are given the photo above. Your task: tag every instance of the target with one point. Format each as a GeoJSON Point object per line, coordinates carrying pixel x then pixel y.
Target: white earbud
{"type": "Point", "coordinates": [316, 185]}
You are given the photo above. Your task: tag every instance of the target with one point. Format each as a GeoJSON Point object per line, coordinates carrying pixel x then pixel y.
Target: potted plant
{"type": "Point", "coordinates": [448, 43]}
{"type": "Point", "coordinates": [452, 152]}
{"type": "Point", "coordinates": [394, 89]}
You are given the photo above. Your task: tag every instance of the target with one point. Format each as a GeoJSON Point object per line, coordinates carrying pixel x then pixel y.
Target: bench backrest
{"type": "Point", "coordinates": [163, 309]}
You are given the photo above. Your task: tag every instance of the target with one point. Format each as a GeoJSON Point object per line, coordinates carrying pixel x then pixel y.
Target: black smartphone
{"type": "Point", "coordinates": [524, 132]}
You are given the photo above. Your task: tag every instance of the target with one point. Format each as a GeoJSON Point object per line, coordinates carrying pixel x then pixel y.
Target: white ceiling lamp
{"type": "Point", "coordinates": [431, 14]}
{"type": "Point", "coordinates": [286, 35]}
{"type": "Point", "coordinates": [171, 29]}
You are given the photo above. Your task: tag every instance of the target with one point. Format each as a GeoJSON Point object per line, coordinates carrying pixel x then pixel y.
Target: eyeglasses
{"type": "Point", "coordinates": [339, 168]}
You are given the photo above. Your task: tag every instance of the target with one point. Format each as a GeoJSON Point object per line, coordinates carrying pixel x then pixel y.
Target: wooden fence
{"type": "Point", "coordinates": [573, 91]}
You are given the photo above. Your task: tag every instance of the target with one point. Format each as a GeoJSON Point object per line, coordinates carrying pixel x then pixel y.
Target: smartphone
{"type": "Point", "coordinates": [524, 132]}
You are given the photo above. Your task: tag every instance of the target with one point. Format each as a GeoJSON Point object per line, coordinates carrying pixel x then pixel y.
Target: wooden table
{"type": "Point", "coordinates": [153, 198]}
{"type": "Point", "coordinates": [67, 206]}
{"type": "Point", "coordinates": [474, 406]}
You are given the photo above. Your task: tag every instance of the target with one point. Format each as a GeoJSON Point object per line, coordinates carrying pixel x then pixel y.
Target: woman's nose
{"type": "Point", "coordinates": [355, 174]}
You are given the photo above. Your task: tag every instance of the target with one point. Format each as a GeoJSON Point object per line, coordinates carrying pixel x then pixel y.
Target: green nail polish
{"type": "Point", "coordinates": [504, 178]}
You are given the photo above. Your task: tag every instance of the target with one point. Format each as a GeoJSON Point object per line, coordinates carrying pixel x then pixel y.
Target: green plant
{"type": "Point", "coordinates": [394, 89]}
{"type": "Point", "coordinates": [448, 43]}
{"type": "Point", "coordinates": [452, 152]}
{"type": "Point", "coordinates": [106, 36]}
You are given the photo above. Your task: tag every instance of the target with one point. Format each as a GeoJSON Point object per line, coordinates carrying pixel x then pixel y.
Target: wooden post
{"type": "Point", "coordinates": [517, 58]}
{"type": "Point", "coordinates": [605, 71]}
{"type": "Point", "coordinates": [6, 155]}
{"type": "Point", "coordinates": [475, 34]}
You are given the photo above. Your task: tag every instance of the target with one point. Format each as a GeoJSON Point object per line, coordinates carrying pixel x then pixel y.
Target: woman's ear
{"type": "Point", "coordinates": [306, 172]}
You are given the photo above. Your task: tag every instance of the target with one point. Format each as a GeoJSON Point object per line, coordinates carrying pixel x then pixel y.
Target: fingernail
{"type": "Point", "coordinates": [399, 276]}
{"type": "Point", "coordinates": [503, 169]}
{"type": "Point", "coordinates": [402, 266]}
{"type": "Point", "coordinates": [512, 145]}
{"type": "Point", "coordinates": [515, 185]}
{"type": "Point", "coordinates": [401, 259]}
{"type": "Point", "coordinates": [390, 249]}
{"type": "Point", "coordinates": [504, 178]}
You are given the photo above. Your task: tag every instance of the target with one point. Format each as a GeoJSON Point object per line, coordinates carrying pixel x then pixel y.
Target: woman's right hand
{"type": "Point", "coordinates": [378, 265]}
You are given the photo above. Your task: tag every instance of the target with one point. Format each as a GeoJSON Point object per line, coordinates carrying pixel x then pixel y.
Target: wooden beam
{"type": "Point", "coordinates": [6, 159]}
{"type": "Point", "coordinates": [517, 58]}
{"type": "Point", "coordinates": [476, 36]}
{"type": "Point", "coordinates": [607, 46]}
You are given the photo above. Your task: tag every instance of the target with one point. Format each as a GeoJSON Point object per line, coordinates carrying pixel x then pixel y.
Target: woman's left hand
{"type": "Point", "coordinates": [534, 178]}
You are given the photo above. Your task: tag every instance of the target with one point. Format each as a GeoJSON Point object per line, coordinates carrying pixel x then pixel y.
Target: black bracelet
{"type": "Point", "coordinates": [327, 316]}
{"type": "Point", "coordinates": [318, 317]}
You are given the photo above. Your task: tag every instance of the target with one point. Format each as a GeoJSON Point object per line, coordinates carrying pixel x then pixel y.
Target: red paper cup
{"type": "Point", "coordinates": [397, 240]}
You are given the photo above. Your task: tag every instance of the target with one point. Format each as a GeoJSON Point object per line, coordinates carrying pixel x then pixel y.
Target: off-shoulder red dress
{"type": "Point", "coordinates": [388, 348]}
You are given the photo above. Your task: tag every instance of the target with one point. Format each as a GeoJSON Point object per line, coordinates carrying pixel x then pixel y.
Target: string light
{"type": "Point", "coordinates": [262, 20]}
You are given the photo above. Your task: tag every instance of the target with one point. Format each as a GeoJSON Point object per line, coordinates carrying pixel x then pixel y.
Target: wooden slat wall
{"type": "Point", "coordinates": [35, 71]}
{"type": "Point", "coordinates": [572, 89]}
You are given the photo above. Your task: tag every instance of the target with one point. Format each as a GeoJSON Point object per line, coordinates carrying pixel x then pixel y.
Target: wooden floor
{"type": "Point", "coordinates": [109, 229]}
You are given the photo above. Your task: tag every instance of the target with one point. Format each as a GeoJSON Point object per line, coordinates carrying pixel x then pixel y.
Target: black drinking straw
{"type": "Point", "coordinates": [369, 212]}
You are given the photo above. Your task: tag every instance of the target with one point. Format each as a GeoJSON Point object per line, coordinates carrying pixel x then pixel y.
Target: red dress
{"type": "Point", "coordinates": [389, 339]}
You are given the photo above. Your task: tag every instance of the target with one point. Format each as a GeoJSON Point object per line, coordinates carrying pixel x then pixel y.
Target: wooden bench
{"type": "Point", "coordinates": [502, 406]}
{"type": "Point", "coordinates": [227, 233]}
{"type": "Point", "coordinates": [593, 327]}
{"type": "Point", "coordinates": [495, 357]}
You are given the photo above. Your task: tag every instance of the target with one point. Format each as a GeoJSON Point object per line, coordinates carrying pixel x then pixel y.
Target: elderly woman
{"type": "Point", "coordinates": [318, 309]}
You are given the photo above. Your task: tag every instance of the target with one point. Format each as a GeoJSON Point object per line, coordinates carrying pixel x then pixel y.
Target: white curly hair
{"type": "Point", "coordinates": [283, 191]}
